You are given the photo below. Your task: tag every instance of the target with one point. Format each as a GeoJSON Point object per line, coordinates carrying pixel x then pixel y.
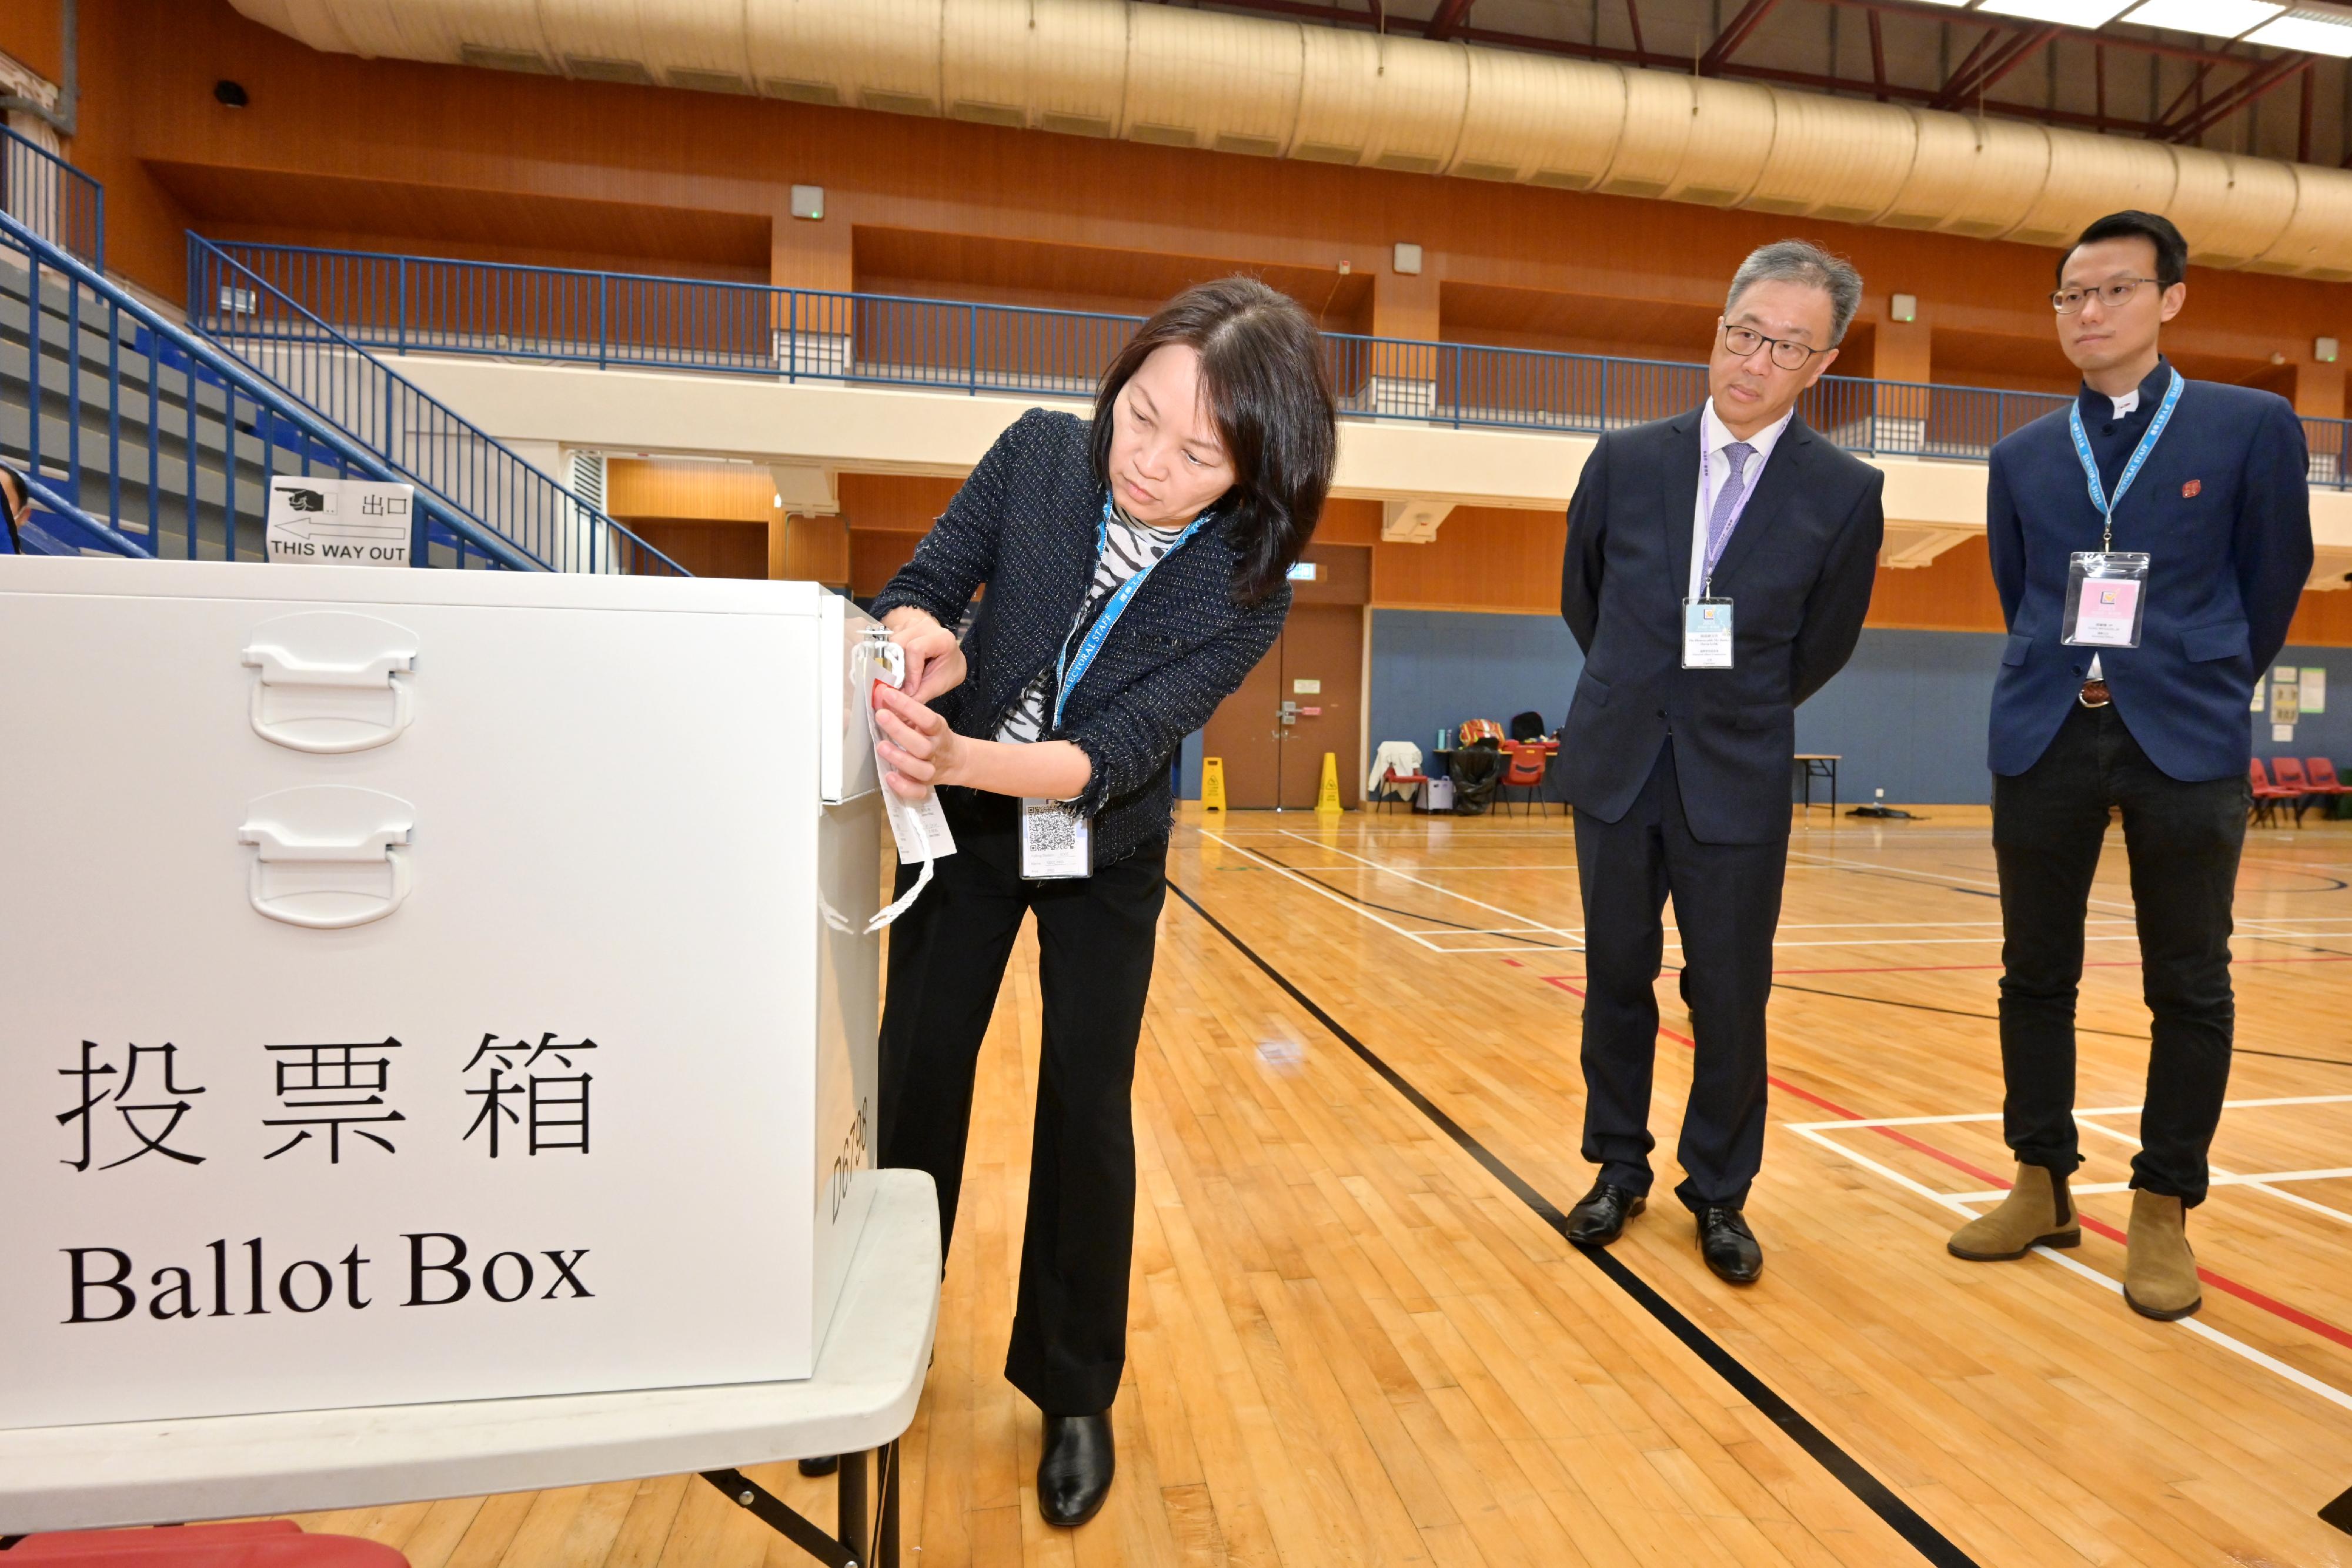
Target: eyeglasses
{"type": "Point", "coordinates": [1787, 352]}
{"type": "Point", "coordinates": [2068, 301]}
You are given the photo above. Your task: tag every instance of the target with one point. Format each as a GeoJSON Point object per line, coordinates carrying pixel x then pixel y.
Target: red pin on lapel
{"type": "Point", "coordinates": [2193, 490]}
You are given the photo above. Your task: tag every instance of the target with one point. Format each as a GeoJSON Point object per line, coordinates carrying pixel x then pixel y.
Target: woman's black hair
{"type": "Point", "coordinates": [1270, 394]}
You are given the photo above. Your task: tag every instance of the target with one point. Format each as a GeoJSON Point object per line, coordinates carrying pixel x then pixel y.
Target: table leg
{"type": "Point", "coordinates": [1833, 767]}
{"type": "Point", "coordinates": [886, 1525]}
{"type": "Point", "coordinates": [771, 1511]}
{"type": "Point", "coordinates": [850, 1515]}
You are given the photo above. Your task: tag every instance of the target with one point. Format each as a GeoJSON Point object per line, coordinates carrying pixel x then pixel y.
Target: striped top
{"type": "Point", "coordinates": [1129, 548]}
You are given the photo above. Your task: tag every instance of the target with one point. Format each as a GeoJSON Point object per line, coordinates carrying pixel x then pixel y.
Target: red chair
{"type": "Point", "coordinates": [2289, 770]}
{"type": "Point", "coordinates": [264, 1544]}
{"type": "Point", "coordinates": [1390, 793]}
{"type": "Point", "coordinates": [2267, 795]}
{"type": "Point", "coordinates": [1526, 772]}
{"type": "Point", "coordinates": [2320, 775]}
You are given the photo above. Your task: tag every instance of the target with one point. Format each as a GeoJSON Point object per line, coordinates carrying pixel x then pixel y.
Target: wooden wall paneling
{"type": "Point", "coordinates": [706, 548]}
{"type": "Point", "coordinates": [1484, 557]}
{"type": "Point", "coordinates": [2324, 619]}
{"type": "Point", "coordinates": [1954, 593]}
{"type": "Point", "coordinates": [874, 557]}
{"type": "Point", "coordinates": [815, 549]}
{"type": "Point", "coordinates": [150, 65]}
{"type": "Point", "coordinates": [1343, 575]}
{"type": "Point", "coordinates": [894, 503]}
{"type": "Point", "coordinates": [672, 488]}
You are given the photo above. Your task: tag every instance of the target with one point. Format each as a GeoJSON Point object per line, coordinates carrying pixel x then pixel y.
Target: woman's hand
{"type": "Point", "coordinates": [934, 658]}
{"type": "Point", "coordinates": [916, 743]}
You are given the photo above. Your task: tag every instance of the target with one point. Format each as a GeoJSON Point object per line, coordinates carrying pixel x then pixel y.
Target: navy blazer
{"type": "Point", "coordinates": [2223, 508]}
{"type": "Point", "coordinates": [1799, 570]}
{"type": "Point", "coordinates": [1024, 524]}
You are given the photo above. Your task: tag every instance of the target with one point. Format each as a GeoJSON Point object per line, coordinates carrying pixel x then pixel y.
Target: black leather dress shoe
{"type": "Point", "coordinates": [1600, 1215]}
{"type": "Point", "coordinates": [1074, 1476]}
{"type": "Point", "coordinates": [1728, 1246]}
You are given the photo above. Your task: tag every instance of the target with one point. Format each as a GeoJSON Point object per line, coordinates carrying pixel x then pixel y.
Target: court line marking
{"type": "Point", "coordinates": [2246, 1293]}
{"type": "Point", "coordinates": [2296, 1199]}
{"type": "Point", "coordinates": [1313, 886]}
{"type": "Point", "coordinates": [2088, 1111]}
{"type": "Point", "coordinates": [1872, 1492]}
{"type": "Point", "coordinates": [2219, 1177]}
{"type": "Point", "coordinates": [2263, 1359]}
{"type": "Point", "coordinates": [1444, 892]}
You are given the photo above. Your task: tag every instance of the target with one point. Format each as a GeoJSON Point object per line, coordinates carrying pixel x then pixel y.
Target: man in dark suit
{"type": "Point", "coordinates": [1719, 564]}
{"type": "Point", "coordinates": [2128, 689]}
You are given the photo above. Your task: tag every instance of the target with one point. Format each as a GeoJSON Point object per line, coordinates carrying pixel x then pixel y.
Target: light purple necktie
{"type": "Point", "coordinates": [1728, 502]}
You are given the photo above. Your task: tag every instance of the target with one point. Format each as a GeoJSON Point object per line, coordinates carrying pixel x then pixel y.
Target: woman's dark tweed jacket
{"type": "Point", "coordinates": [1024, 525]}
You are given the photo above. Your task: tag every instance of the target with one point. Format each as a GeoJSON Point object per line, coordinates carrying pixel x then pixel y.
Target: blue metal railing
{"type": "Point", "coordinates": [52, 198]}
{"type": "Point", "coordinates": [429, 444]}
{"type": "Point", "coordinates": [106, 398]}
{"type": "Point", "coordinates": [55, 525]}
{"type": "Point", "coordinates": [420, 304]}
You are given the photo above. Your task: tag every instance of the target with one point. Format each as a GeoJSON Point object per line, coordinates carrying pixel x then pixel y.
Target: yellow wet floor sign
{"type": "Point", "coordinates": [1326, 798]}
{"type": "Point", "coordinates": [1213, 783]}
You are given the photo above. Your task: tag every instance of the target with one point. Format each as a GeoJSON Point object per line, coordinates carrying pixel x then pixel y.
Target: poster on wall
{"type": "Point", "coordinates": [2314, 688]}
{"type": "Point", "coordinates": [2283, 734]}
{"type": "Point", "coordinates": [2261, 696]}
{"type": "Point", "coordinates": [2287, 699]}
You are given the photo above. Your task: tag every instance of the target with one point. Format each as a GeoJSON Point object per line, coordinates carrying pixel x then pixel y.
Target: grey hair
{"type": "Point", "coordinates": [1799, 261]}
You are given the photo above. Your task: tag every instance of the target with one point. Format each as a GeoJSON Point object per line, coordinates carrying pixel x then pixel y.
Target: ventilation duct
{"type": "Point", "coordinates": [1247, 84]}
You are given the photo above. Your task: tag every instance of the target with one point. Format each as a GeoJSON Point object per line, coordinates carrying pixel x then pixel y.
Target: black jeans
{"type": "Point", "coordinates": [2183, 841]}
{"type": "Point", "coordinates": [948, 953]}
{"type": "Point", "coordinates": [1726, 905]}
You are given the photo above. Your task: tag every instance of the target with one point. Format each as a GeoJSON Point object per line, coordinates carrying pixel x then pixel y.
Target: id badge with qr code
{"type": "Point", "coordinates": [1056, 845]}
{"type": "Point", "coordinates": [1707, 633]}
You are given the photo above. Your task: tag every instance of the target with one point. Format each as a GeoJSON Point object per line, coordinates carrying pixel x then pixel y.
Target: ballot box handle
{"type": "Point", "coordinates": [329, 857]}
{"type": "Point", "coordinates": [323, 680]}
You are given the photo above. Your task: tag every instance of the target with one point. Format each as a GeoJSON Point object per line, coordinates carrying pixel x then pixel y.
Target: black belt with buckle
{"type": "Point", "coordinates": [2093, 695]}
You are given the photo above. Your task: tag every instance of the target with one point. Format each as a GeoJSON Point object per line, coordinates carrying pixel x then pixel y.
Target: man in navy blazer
{"type": "Point", "coordinates": [2209, 484]}
{"type": "Point", "coordinates": [1718, 567]}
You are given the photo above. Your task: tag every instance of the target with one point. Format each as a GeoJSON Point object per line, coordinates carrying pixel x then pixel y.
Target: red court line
{"type": "Point", "coordinates": [2222, 1282]}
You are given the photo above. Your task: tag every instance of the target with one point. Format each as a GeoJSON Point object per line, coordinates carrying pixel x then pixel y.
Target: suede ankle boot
{"type": "Point", "coordinates": [2038, 1212]}
{"type": "Point", "coordinates": [2159, 1270]}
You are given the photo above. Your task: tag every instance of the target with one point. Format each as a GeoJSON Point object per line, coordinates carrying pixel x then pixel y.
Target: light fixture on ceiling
{"type": "Point", "coordinates": [2213, 19]}
{"type": "Point", "coordinates": [2069, 13]}
{"type": "Point", "coordinates": [2313, 32]}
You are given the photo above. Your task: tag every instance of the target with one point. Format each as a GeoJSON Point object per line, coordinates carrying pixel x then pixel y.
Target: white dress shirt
{"type": "Point", "coordinates": [1714, 472]}
{"type": "Point", "coordinates": [2127, 404]}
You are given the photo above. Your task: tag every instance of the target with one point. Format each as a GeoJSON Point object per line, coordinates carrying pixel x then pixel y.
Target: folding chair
{"type": "Point", "coordinates": [1528, 764]}
{"type": "Point", "coordinates": [1391, 790]}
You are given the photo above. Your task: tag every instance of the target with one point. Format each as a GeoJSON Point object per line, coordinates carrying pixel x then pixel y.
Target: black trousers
{"type": "Point", "coordinates": [2183, 841]}
{"type": "Point", "coordinates": [948, 953]}
{"type": "Point", "coordinates": [1726, 905]}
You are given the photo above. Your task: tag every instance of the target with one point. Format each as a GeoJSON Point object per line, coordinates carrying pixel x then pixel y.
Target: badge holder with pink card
{"type": "Point", "coordinates": [2107, 600]}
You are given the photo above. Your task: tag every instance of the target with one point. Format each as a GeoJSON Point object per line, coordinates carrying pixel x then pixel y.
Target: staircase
{"type": "Point", "coordinates": [144, 439]}
{"type": "Point", "coordinates": [271, 336]}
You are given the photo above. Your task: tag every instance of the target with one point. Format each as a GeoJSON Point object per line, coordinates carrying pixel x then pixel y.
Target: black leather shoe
{"type": "Point", "coordinates": [1600, 1215]}
{"type": "Point", "coordinates": [1074, 1476]}
{"type": "Point", "coordinates": [1728, 1246]}
{"type": "Point", "coordinates": [829, 1464]}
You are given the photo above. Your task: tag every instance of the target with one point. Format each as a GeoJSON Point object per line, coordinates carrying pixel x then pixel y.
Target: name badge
{"type": "Point", "coordinates": [1056, 845]}
{"type": "Point", "coordinates": [2107, 600]}
{"type": "Point", "coordinates": [1707, 633]}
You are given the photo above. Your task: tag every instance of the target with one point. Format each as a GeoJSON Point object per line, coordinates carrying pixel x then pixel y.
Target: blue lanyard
{"type": "Point", "coordinates": [1068, 672]}
{"type": "Point", "coordinates": [2131, 469]}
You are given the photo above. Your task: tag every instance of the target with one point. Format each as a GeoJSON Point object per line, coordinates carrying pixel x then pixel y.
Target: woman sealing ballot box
{"type": "Point", "coordinates": [1136, 568]}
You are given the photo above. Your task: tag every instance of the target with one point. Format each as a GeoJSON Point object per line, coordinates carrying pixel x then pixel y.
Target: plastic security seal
{"type": "Point", "coordinates": [920, 827]}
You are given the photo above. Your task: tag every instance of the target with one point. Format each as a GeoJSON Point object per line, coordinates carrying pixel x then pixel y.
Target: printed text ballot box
{"type": "Point", "coordinates": [425, 985]}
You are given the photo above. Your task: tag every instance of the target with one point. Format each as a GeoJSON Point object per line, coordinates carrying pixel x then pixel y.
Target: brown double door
{"type": "Point", "coordinates": [1273, 752]}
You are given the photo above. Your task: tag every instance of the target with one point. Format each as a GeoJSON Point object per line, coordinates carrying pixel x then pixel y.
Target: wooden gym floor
{"type": "Point", "coordinates": [1357, 1338]}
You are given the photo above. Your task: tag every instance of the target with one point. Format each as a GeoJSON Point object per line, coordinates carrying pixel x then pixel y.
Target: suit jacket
{"type": "Point", "coordinates": [2223, 508]}
{"type": "Point", "coordinates": [1024, 523]}
{"type": "Point", "coordinates": [1798, 570]}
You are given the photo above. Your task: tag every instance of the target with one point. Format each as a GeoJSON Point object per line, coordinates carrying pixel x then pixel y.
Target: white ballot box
{"type": "Point", "coordinates": [425, 985]}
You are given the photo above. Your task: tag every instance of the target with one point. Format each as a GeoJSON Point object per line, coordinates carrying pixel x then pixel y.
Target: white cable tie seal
{"type": "Point", "coordinates": [921, 829]}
